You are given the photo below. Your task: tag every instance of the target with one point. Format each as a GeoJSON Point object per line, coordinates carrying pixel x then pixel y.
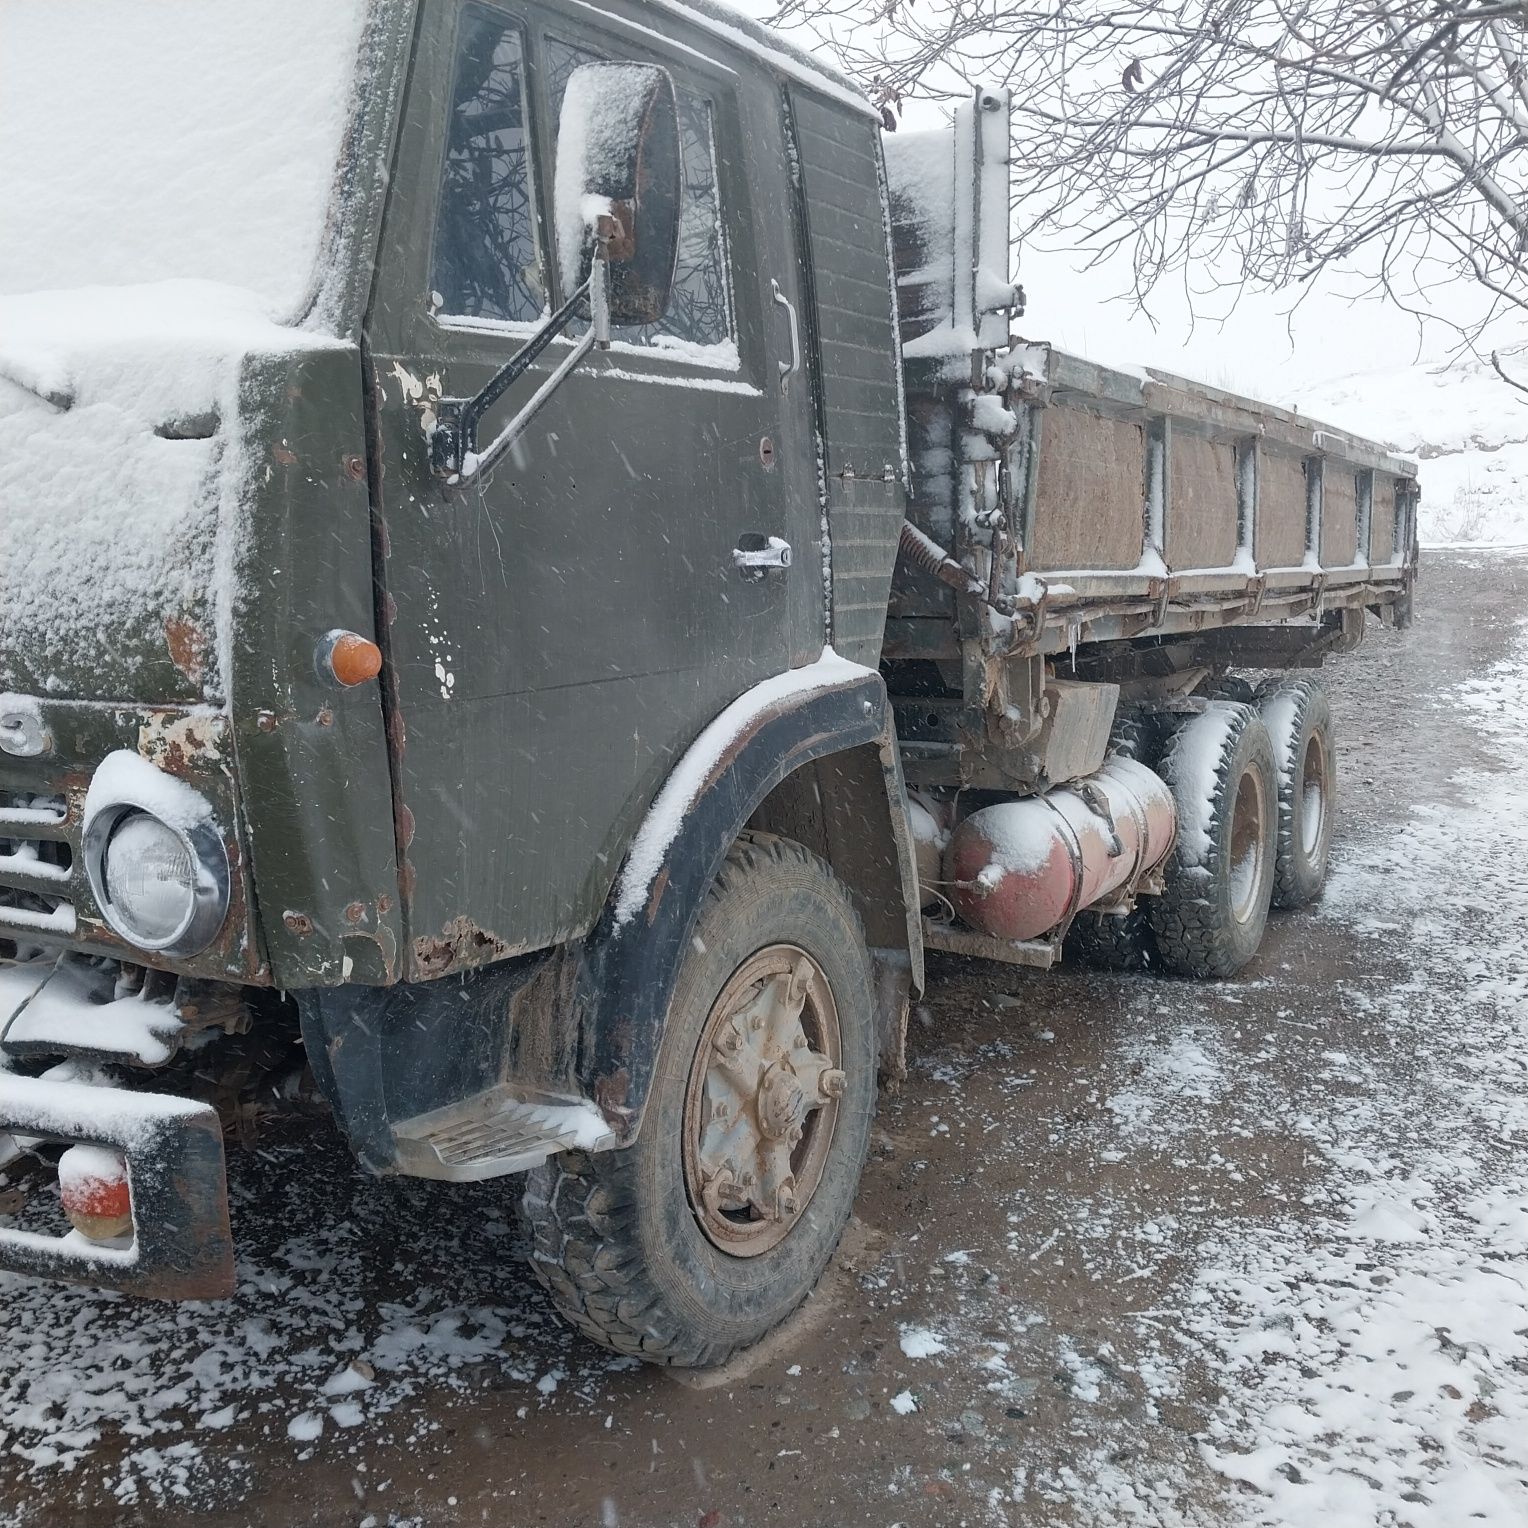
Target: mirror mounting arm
{"type": "Point", "coordinates": [454, 453]}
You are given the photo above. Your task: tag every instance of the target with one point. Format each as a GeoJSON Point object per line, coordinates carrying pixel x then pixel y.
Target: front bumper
{"type": "Point", "coordinates": [181, 1246]}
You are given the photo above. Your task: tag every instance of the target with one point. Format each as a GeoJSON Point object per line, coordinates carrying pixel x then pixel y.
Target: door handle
{"type": "Point", "coordinates": [753, 562]}
{"type": "Point", "coordinates": [788, 369]}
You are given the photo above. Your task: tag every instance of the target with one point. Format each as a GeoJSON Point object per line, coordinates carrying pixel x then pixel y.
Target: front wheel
{"type": "Point", "coordinates": [715, 1225]}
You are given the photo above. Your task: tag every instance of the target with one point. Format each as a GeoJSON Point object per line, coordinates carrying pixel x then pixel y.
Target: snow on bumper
{"type": "Point", "coordinates": [181, 1246]}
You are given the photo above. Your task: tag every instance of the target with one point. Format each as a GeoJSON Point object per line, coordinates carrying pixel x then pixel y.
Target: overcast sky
{"type": "Point", "coordinates": [1271, 344]}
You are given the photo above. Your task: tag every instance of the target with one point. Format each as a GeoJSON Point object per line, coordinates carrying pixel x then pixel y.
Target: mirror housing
{"type": "Point", "coordinates": [618, 158]}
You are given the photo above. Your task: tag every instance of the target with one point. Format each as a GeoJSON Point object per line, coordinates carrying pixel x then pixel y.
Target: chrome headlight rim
{"type": "Point", "coordinates": [211, 890]}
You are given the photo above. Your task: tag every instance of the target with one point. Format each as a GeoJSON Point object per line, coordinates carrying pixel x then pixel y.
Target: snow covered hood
{"type": "Point", "coordinates": [123, 474]}
{"type": "Point", "coordinates": [179, 167]}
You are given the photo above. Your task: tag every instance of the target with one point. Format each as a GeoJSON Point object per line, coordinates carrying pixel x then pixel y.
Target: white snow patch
{"type": "Point", "coordinates": [151, 141]}
{"type": "Point", "coordinates": [1468, 431]}
{"type": "Point", "coordinates": [920, 1342]}
{"type": "Point", "coordinates": [112, 528]}
{"type": "Point", "coordinates": [903, 1403]}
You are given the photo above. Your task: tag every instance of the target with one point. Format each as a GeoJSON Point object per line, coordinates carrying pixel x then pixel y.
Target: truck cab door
{"type": "Point", "coordinates": [559, 630]}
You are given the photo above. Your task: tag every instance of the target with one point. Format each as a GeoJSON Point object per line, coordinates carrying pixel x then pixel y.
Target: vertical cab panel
{"type": "Point", "coordinates": [842, 208]}
{"type": "Point", "coordinates": [312, 755]}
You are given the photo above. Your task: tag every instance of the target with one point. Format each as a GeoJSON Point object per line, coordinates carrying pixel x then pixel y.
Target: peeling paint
{"type": "Point", "coordinates": [188, 647]}
{"type": "Point", "coordinates": [178, 743]}
{"type": "Point", "coordinates": [460, 943]}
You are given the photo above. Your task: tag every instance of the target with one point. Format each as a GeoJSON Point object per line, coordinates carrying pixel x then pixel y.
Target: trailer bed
{"type": "Point", "coordinates": [1074, 521]}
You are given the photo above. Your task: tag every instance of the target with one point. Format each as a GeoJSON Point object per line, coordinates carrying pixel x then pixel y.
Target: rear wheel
{"type": "Point", "coordinates": [1218, 881]}
{"type": "Point", "coordinates": [1299, 721]}
{"type": "Point", "coordinates": [716, 1224]}
{"type": "Point", "coordinates": [1110, 941]}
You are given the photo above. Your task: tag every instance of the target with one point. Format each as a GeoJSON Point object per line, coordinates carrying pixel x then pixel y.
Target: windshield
{"type": "Point", "coordinates": [169, 139]}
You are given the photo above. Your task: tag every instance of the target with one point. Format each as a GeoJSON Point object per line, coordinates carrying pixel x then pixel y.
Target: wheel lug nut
{"type": "Point", "coordinates": [833, 1083]}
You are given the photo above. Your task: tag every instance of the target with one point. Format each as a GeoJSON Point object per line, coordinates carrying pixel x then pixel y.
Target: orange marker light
{"type": "Point", "coordinates": [349, 659]}
{"type": "Point", "coordinates": [93, 1189]}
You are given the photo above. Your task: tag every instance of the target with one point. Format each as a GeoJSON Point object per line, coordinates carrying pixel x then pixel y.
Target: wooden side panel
{"type": "Point", "coordinates": [1090, 495]}
{"type": "Point", "coordinates": [1339, 516]}
{"type": "Point", "coordinates": [1281, 511]}
{"type": "Point", "coordinates": [1201, 503]}
{"type": "Point", "coordinates": [1382, 526]}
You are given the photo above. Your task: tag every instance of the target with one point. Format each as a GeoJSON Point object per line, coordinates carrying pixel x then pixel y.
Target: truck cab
{"type": "Point", "coordinates": [470, 616]}
{"type": "Point", "coordinates": [304, 732]}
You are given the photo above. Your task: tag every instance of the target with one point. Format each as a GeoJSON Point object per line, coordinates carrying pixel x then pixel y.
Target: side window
{"type": "Point", "coordinates": [700, 311]}
{"type": "Point", "coordinates": [486, 263]}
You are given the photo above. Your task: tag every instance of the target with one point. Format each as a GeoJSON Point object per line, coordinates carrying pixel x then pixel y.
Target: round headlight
{"type": "Point", "coordinates": [155, 857]}
{"type": "Point", "coordinates": [150, 878]}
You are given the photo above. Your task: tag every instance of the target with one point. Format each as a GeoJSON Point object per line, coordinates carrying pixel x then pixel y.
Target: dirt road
{"type": "Point", "coordinates": [1128, 1249]}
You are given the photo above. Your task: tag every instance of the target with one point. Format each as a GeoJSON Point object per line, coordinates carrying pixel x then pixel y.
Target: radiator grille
{"type": "Point", "coordinates": [37, 867]}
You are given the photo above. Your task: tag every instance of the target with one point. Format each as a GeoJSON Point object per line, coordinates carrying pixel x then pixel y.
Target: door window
{"type": "Point", "coordinates": [486, 261]}
{"type": "Point", "coordinates": [700, 310]}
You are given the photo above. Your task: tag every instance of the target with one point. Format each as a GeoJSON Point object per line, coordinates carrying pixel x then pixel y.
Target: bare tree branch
{"type": "Point", "coordinates": [1250, 142]}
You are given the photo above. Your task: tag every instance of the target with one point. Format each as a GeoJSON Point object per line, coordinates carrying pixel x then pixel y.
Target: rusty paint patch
{"type": "Point", "coordinates": [297, 923]}
{"type": "Point", "coordinates": [286, 457]}
{"type": "Point", "coordinates": [181, 744]}
{"type": "Point", "coordinates": [460, 943]}
{"type": "Point", "coordinates": [655, 896]}
{"type": "Point", "coordinates": [188, 647]}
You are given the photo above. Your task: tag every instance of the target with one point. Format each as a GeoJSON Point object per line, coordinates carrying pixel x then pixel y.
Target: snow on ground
{"type": "Point", "coordinates": [1465, 427]}
{"type": "Point", "coordinates": [1361, 1347]}
{"type": "Point", "coordinates": [173, 1402]}
{"type": "Point", "coordinates": [1379, 1358]}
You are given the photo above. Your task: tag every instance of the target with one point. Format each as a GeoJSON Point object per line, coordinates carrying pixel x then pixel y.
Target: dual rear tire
{"type": "Point", "coordinates": [1254, 784]}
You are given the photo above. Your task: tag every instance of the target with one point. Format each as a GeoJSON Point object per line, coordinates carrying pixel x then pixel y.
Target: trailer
{"type": "Point", "coordinates": [533, 636]}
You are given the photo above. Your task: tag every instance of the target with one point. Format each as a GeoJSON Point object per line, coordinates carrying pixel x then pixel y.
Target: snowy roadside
{"type": "Point", "coordinates": [1379, 1358]}
{"type": "Point", "coordinates": [1340, 1336]}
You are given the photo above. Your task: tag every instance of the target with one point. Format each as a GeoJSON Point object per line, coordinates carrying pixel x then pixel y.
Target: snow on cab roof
{"type": "Point", "coordinates": [752, 36]}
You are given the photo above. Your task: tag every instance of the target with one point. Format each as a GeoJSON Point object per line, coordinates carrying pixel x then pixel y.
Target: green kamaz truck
{"type": "Point", "coordinates": [540, 572]}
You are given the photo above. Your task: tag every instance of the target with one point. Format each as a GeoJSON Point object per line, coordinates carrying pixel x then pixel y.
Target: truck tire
{"type": "Point", "coordinates": [1210, 917]}
{"type": "Point", "coordinates": [1110, 941]}
{"type": "Point", "coordinates": [1231, 687]}
{"type": "Point", "coordinates": [701, 1237]}
{"type": "Point", "coordinates": [1299, 721]}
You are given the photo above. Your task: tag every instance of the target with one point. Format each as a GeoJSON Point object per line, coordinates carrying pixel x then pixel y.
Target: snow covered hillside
{"type": "Point", "coordinates": [1467, 430]}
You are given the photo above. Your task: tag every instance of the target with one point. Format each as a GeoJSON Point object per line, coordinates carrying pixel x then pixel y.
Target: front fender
{"type": "Point", "coordinates": [626, 969]}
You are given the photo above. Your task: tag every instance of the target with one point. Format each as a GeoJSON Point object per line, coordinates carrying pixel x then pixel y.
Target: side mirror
{"type": "Point", "coordinates": [618, 158]}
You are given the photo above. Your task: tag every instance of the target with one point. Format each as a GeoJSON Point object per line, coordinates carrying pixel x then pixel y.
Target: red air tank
{"type": "Point", "coordinates": [1018, 869]}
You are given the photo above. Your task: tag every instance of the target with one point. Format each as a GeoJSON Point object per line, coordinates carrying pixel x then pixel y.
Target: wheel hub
{"type": "Point", "coordinates": [762, 1100]}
